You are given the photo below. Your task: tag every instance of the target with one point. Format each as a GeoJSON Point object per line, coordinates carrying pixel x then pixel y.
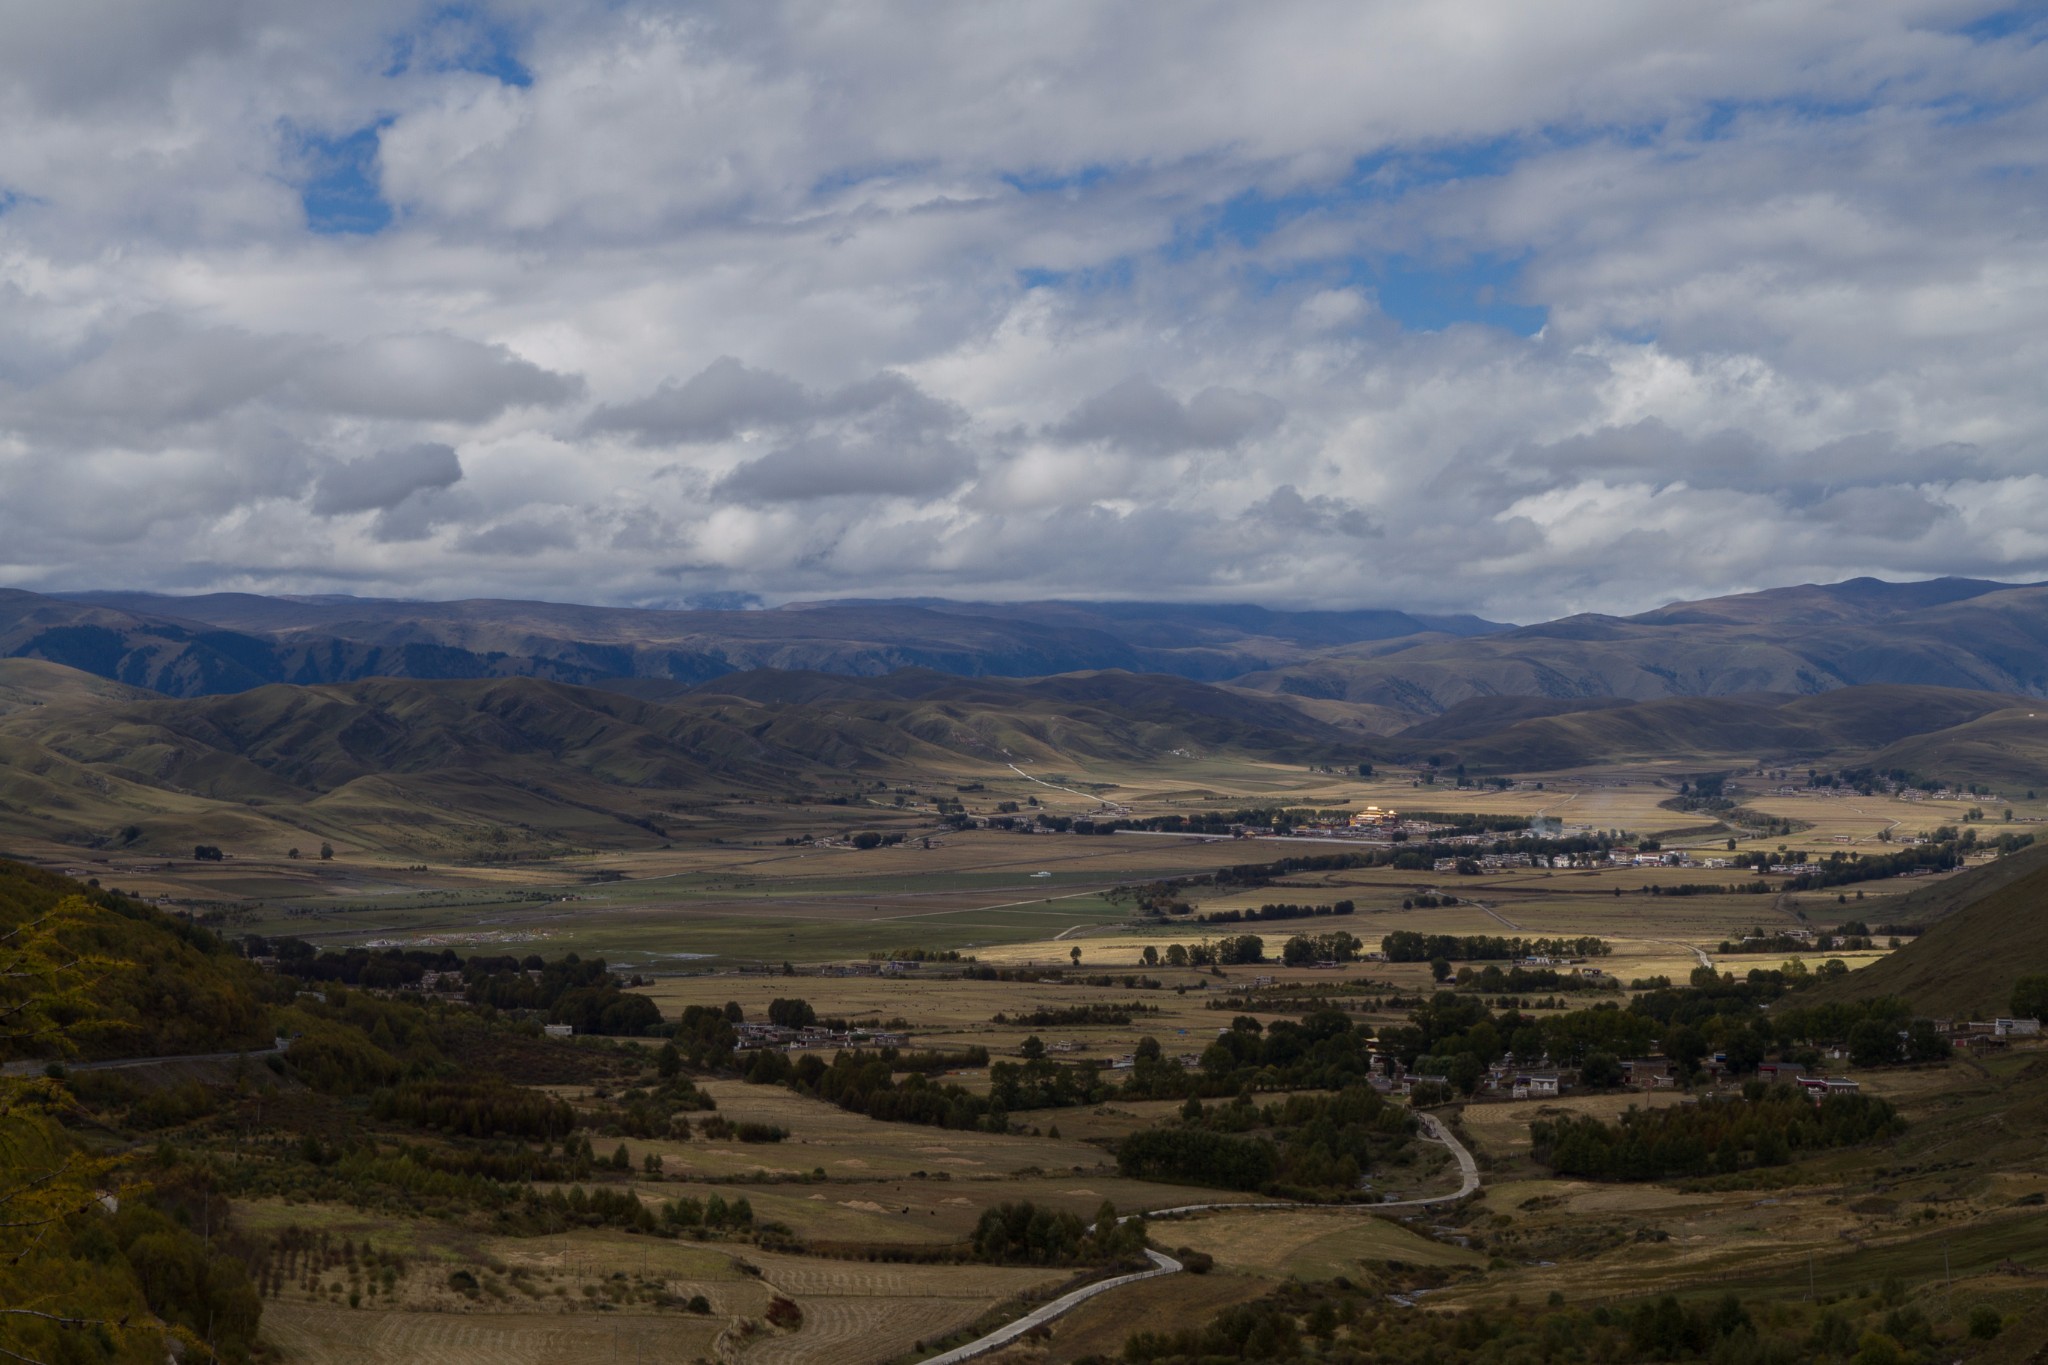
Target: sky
{"type": "Point", "coordinates": [1469, 306]}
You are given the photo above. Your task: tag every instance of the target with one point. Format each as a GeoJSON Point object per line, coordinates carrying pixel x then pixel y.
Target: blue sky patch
{"type": "Point", "coordinates": [1428, 298]}
{"type": "Point", "coordinates": [461, 38]}
{"type": "Point", "coordinates": [340, 190]}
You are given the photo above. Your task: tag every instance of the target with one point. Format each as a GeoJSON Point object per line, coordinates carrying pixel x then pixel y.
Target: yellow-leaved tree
{"type": "Point", "coordinates": [63, 1298]}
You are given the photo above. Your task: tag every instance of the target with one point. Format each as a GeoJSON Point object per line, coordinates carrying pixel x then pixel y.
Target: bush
{"type": "Point", "coordinates": [1985, 1322]}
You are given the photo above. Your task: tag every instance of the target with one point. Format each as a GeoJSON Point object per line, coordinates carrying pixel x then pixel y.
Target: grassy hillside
{"type": "Point", "coordinates": [1927, 730]}
{"type": "Point", "coordinates": [460, 768]}
{"type": "Point", "coordinates": [1953, 633]}
{"type": "Point", "coordinates": [1989, 933]}
{"type": "Point", "coordinates": [2007, 748]}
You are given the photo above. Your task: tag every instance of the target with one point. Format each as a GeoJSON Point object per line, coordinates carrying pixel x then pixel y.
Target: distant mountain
{"type": "Point", "coordinates": [1371, 669]}
{"type": "Point", "coordinates": [1957, 633]}
{"type": "Point", "coordinates": [229, 642]}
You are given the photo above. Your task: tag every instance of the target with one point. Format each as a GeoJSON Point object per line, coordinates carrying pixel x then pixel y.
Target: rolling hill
{"type": "Point", "coordinates": [502, 765]}
{"type": "Point", "coordinates": [1955, 633]}
{"type": "Point", "coordinates": [1926, 731]}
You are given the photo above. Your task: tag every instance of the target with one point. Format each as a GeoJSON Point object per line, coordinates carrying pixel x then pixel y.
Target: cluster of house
{"type": "Point", "coordinates": [1792, 1073]}
{"type": "Point", "coordinates": [895, 966]}
{"type": "Point", "coordinates": [755, 1036]}
{"type": "Point", "coordinates": [1129, 1060]}
{"type": "Point", "coordinates": [1979, 1035]}
{"type": "Point", "coordinates": [1506, 1080]}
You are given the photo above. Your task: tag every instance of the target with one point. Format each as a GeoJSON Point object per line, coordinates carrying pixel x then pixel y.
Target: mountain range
{"type": "Point", "coordinates": [143, 721]}
{"type": "Point", "coordinates": [1381, 670]}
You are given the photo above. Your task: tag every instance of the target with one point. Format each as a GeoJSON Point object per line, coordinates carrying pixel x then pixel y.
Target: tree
{"type": "Point", "coordinates": [1600, 1070]}
{"type": "Point", "coordinates": [1685, 1045]}
{"type": "Point", "coordinates": [2030, 997]}
{"type": "Point", "coordinates": [1874, 1042]}
{"type": "Point", "coordinates": [1150, 957]}
{"type": "Point", "coordinates": [326, 852]}
{"type": "Point", "coordinates": [1032, 1049]}
{"type": "Point", "coordinates": [1440, 968]}
{"type": "Point", "coordinates": [55, 1195]}
{"type": "Point", "coordinates": [1176, 955]}
{"type": "Point", "coordinates": [668, 1063]}
{"type": "Point", "coordinates": [1924, 1042]}
{"type": "Point", "coordinates": [1075, 954]}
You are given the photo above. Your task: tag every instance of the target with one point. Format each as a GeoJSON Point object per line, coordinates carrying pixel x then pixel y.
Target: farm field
{"type": "Point", "coordinates": [1315, 1245]}
{"type": "Point", "coordinates": [866, 1227]}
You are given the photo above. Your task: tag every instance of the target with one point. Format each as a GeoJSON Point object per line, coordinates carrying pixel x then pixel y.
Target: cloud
{"type": "Point", "coordinates": [428, 377]}
{"type": "Point", "coordinates": [523, 537]}
{"type": "Point", "coordinates": [828, 469]}
{"type": "Point", "coordinates": [896, 299]}
{"type": "Point", "coordinates": [882, 436]}
{"type": "Point", "coordinates": [1139, 416]}
{"type": "Point", "coordinates": [379, 482]}
{"type": "Point", "coordinates": [715, 404]}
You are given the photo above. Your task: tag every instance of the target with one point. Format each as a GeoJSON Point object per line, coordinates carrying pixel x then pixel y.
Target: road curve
{"type": "Point", "coordinates": [1162, 1264]}
{"type": "Point", "coordinates": [1433, 1130]}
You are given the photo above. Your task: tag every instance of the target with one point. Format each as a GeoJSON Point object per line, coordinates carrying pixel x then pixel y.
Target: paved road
{"type": "Point", "coordinates": [32, 1068]}
{"type": "Point", "coordinates": [1162, 1264]}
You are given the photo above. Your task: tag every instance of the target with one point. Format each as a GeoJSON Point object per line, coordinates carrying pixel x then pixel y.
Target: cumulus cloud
{"type": "Point", "coordinates": [1140, 416]}
{"type": "Point", "coordinates": [826, 469]}
{"type": "Point", "coordinates": [1479, 307]}
{"type": "Point", "coordinates": [714, 404]}
{"type": "Point", "coordinates": [428, 377]}
{"type": "Point", "coordinates": [379, 482]}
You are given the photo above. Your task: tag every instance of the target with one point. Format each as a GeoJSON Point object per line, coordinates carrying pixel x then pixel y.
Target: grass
{"type": "Point", "coordinates": [319, 1335]}
{"type": "Point", "coordinates": [1308, 1246]}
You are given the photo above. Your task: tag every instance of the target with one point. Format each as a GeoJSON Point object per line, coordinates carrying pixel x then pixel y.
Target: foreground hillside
{"type": "Point", "coordinates": [1971, 957]}
{"type": "Point", "coordinates": [108, 1257]}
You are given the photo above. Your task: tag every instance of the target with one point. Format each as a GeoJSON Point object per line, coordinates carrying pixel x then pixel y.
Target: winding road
{"type": "Point", "coordinates": [1433, 1130]}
